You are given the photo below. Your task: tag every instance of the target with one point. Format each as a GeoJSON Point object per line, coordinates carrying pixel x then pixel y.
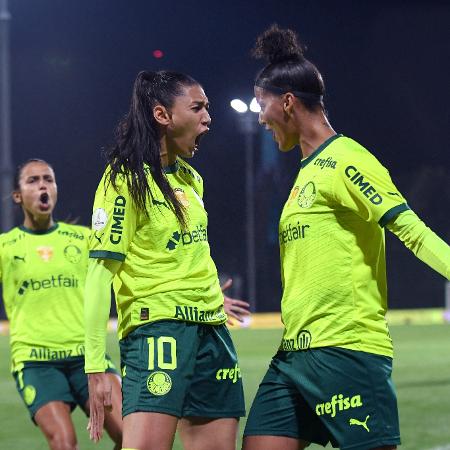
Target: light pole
{"type": "Point", "coordinates": [247, 125]}
{"type": "Point", "coordinates": [5, 122]}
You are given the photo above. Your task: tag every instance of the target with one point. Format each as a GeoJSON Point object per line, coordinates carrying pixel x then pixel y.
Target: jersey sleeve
{"type": "Point", "coordinates": [113, 221]}
{"type": "Point", "coordinates": [423, 242]}
{"type": "Point", "coordinates": [365, 186]}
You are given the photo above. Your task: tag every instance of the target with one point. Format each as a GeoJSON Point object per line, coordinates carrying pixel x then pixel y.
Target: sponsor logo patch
{"type": "Point", "coordinates": [99, 219]}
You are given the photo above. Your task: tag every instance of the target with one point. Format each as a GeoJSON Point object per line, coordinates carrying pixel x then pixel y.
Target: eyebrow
{"type": "Point", "coordinates": [200, 103]}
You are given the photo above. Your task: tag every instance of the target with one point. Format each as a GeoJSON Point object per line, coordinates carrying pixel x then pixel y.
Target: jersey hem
{"type": "Point", "coordinates": [106, 254]}
{"type": "Point", "coordinates": [378, 442]}
{"type": "Point", "coordinates": [389, 215]}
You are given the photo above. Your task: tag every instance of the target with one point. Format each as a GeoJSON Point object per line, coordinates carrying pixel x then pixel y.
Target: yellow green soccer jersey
{"type": "Point", "coordinates": [333, 250]}
{"type": "Point", "coordinates": [166, 273]}
{"type": "Point", "coordinates": [43, 277]}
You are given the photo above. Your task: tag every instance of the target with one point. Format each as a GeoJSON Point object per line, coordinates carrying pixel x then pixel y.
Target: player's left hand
{"type": "Point", "coordinates": [235, 308]}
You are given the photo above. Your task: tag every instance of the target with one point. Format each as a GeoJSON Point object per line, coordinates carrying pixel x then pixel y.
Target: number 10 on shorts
{"type": "Point", "coordinates": [161, 342]}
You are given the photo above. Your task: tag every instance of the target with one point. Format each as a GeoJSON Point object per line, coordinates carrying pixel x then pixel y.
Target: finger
{"type": "Point", "coordinates": [235, 301]}
{"type": "Point", "coordinates": [107, 403]}
{"type": "Point", "coordinates": [239, 311]}
{"type": "Point", "coordinates": [226, 285]}
{"type": "Point", "coordinates": [230, 321]}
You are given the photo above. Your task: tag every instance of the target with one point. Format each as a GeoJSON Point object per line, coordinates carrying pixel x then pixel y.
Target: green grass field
{"type": "Point", "coordinates": [421, 373]}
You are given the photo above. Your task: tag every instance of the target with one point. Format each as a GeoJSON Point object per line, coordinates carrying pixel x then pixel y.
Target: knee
{"type": "Point", "coordinates": [59, 441]}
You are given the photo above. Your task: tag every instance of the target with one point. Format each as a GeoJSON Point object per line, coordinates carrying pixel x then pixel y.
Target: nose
{"type": "Point", "coordinates": [261, 119]}
{"type": "Point", "coordinates": [42, 185]}
{"type": "Point", "coordinates": [206, 120]}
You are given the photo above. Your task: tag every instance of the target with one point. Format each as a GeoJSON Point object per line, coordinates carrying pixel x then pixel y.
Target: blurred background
{"type": "Point", "coordinates": [386, 66]}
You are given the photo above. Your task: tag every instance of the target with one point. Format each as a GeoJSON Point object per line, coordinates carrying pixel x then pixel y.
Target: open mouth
{"type": "Point", "coordinates": [44, 198]}
{"type": "Point", "coordinates": [198, 139]}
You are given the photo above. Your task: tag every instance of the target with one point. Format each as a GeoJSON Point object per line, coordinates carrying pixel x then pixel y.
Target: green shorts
{"type": "Point", "coordinates": [326, 395]}
{"type": "Point", "coordinates": [182, 369]}
{"type": "Point", "coordinates": [41, 382]}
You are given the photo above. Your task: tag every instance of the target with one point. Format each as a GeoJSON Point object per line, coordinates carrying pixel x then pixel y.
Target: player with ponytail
{"type": "Point", "coordinates": [150, 237]}
{"type": "Point", "coordinates": [330, 380]}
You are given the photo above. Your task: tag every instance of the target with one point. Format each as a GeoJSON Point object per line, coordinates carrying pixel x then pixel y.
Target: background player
{"type": "Point", "coordinates": [43, 267]}
{"type": "Point", "coordinates": [331, 379]}
{"type": "Point", "coordinates": [150, 234]}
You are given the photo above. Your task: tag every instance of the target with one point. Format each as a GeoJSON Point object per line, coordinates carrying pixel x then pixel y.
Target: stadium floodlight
{"type": "Point", "coordinates": [238, 105]}
{"type": "Point", "coordinates": [254, 106]}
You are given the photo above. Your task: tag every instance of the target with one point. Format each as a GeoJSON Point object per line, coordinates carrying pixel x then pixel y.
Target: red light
{"type": "Point", "coordinates": [158, 54]}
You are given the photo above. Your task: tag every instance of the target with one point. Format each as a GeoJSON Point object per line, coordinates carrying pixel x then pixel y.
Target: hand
{"type": "Point", "coordinates": [234, 308]}
{"type": "Point", "coordinates": [100, 391]}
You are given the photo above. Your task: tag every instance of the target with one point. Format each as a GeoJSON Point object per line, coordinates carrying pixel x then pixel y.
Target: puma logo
{"type": "Point", "coordinates": [20, 258]}
{"type": "Point", "coordinates": [358, 422]}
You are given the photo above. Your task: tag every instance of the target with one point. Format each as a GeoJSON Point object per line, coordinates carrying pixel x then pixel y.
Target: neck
{"type": "Point", "coordinates": [167, 158]}
{"type": "Point", "coordinates": [38, 223]}
{"type": "Point", "coordinates": [314, 132]}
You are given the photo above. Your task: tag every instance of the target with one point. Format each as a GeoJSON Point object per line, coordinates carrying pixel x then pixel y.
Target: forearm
{"type": "Point", "coordinates": [423, 242]}
{"type": "Point", "coordinates": [97, 304]}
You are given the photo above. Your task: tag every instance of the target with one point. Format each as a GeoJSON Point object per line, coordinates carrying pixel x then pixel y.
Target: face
{"type": "Point", "coordinates": [188, 122]}
{"type": "Point", "coordinates": [274, 117]}
{"type": "Point", "coordinates": [37, 192]}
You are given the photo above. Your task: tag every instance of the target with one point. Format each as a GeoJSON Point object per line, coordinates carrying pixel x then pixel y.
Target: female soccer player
{"type": "Point", "coordinates": [43, 267]}
{"type": "Point", "coordinates": [331, 378]}
{"type": "Point", "coordinates": [150, 234]}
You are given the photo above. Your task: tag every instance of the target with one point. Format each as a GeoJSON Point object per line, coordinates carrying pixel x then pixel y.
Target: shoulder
{"type": "Point", "coordinates": [354, 155]}
{"type": "Point", "coordinates": [190, 174]}
{"type": "Point", "coordinates": [10, 235]}
{"type": "Point", "coordinates": [189, 171]}
{"type": "Point", "coordinates": [74, 231]}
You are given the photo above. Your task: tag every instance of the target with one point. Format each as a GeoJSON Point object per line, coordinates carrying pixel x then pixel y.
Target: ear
{"type": "Point", "coordinates": [17, 197]}
{"type": "Point", "coordinates": [288, 102]}
{"type": "Point", "coordinates": [161, 115]}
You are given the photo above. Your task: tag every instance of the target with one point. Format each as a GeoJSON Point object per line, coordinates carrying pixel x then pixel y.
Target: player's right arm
{"type": "Point", "coordinates": [97, 305]}
{"type": "Point", "coordinates": [113, 229]}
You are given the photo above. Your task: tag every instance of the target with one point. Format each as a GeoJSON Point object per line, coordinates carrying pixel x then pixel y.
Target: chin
{"type": "Point", "coordinates": [285, 147]}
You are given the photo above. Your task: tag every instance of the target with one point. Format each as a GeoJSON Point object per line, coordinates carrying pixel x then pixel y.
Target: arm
{"type": "Point", "coordinates": [96, 313]}
{"type": "Point", "coordinates": [423, 242]}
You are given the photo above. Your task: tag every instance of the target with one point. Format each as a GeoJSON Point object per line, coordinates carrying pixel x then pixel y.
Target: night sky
{"type": "Point", "coordinates": [386, 65]}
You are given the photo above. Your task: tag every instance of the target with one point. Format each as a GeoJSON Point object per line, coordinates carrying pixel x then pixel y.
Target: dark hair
{"type": "Point", "coordinates": [22, 166]}
{"type": "Point", "coordinates": [287, 69]}
{"type": "Point", "coordinates": [137, 141]}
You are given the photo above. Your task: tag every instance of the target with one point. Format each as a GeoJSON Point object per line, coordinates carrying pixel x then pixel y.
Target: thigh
{"type": "Point", "coordinates": [149, 431]}
{"type": "Point", "coordinates": [55, 422]}
{"type": "Point", "coordinates": [158, 362]}
{"type": "Point", "coordinates": [216, 390]}
{"type": "Point", "coordinates": [353, 395]}
{"type": "Point", "coordinates": [205, 434]}
{"type": "Point", "coordinates": [113, 418]}
{"type": "Point", "coordinates": [42, 383]}
{"type": "Point", "coordinates": [279, 410]}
